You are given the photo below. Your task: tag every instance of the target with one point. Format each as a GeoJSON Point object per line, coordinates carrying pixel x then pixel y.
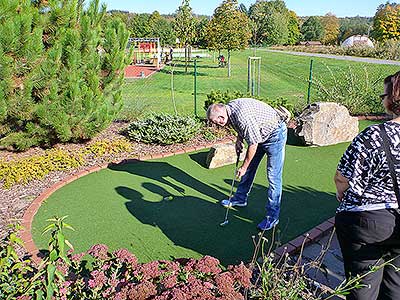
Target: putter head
{"type": "Point", "coordinates": [224, 223]}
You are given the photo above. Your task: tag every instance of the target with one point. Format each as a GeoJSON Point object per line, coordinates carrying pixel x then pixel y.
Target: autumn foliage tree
{"type": "Point", "coordinates": [386, 23]}
{"type": "Point", "coordinates": [331, 29]}
{"type": "Point", "coordinates": [228, 29]}
{"type": "Point", "coordinates": [61, 71]}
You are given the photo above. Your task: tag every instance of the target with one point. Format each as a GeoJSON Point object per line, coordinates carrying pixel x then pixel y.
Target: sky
{"type": "Point", "coordinates": [341, 8]}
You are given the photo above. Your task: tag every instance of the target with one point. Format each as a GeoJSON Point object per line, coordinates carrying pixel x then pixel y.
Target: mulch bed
{"type": "Point", "coordinates": [14, 201]}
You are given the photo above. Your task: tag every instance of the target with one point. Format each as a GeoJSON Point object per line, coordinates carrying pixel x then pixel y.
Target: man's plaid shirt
{"type": "Point", "coordinates": [253, 120]}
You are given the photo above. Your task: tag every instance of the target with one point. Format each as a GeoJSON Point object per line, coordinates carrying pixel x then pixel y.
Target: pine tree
{"type": "Point", "coordinates": [61, 69]}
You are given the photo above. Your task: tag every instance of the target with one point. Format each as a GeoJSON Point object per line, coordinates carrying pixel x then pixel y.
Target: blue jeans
{"type": "Point", "coordinates": [274, 147]}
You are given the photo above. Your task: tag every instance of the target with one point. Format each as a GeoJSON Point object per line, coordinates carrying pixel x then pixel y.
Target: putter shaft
{"type": "Point", "coordinates": [231, 192]}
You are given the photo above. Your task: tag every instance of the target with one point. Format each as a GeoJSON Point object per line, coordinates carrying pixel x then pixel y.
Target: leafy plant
{"type": "Point", "coordinates": [217, 96]}
{"type": "Point", "coordinates": [163, 129]}
{"type": "Point", "coordinates": [57, 252]}
{"type": "Point", "coordinates": [212, 132]}
{"type": "Point", "coordinates": [389, 49]}
{"type": "Point", "coordinates": [118, 275]}
{"type": "Point", "coordinates": [15, 272]}
{"type": "Point", "coordinates": [357, 89]}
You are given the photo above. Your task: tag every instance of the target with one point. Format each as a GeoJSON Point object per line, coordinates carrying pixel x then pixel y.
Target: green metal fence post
{"type": "Point", "coordinates": [310, 81]}
{"type": "Point", "coordinates": [195, 88]}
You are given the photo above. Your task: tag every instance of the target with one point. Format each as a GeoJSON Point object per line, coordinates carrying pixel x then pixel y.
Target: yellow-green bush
{"type": "Point", "coordinates": [104, 147]}
{"type": "Point", "coordinates": [36, 167]}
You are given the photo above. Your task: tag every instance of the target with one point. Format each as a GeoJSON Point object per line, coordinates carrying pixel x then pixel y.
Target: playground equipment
{"type": "Point", "coordinates": [253, 73]}
{"type": "Point", "coordinates": [146, 51]}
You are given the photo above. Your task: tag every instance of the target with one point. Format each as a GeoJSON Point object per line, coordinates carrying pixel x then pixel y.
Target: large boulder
{"type": "Point", "coordinates": [326, 123]}
{"type": "Point", "coordinates": [222, 155]}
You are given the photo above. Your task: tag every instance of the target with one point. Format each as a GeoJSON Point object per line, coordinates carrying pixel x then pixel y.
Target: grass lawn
{"type": "Point", "coordinates": [124, 206]}
{"type": "Point", "coordinates": [282, 75]}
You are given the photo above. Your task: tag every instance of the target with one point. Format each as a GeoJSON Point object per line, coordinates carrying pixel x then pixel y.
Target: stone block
{"type": "Point", "coordinates": [222, 155]}
{"type": "Point", "coordinates": [326, 123]}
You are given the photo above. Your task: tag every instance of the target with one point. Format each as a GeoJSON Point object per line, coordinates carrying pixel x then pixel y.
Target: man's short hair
{"type": "Point", "coordinates": [214, 110]}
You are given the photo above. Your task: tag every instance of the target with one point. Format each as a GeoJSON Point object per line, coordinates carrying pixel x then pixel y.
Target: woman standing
{"type": "Point", "coordinates": [368, 219]}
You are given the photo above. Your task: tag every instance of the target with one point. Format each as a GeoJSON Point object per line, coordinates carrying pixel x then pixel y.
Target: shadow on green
{"type": "Point", "coordinates": [192, 222]}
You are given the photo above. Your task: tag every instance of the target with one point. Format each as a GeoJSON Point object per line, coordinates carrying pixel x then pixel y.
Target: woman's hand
{"type": "Point", "coordinates": [342, 184]}
{"type": "Point", "coordinates": [339, 196]}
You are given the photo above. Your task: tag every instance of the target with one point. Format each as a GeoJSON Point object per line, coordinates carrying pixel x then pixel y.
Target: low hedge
{"type": "Point", "coordinates": [24, 170]}
{"type": "Point", "coordinates": [163, 129]}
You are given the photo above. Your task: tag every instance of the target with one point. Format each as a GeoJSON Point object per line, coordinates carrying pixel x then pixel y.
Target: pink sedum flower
{"type": "Point", "coordinates": [99, 251]}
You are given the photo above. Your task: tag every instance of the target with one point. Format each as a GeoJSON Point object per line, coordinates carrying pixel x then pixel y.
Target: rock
{"type": "Point", "coordinates": [326, 123]}
{"type": "Point", "coordinates": [222, 155]}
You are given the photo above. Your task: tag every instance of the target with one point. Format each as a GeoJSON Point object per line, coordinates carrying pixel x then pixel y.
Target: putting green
{"type": "Point", "coordinates": [130, 206]}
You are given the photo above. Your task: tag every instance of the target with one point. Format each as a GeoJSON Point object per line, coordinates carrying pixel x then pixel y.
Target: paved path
{"type": "Point", "coordinates": [329, 269]}
{"type": "Point", "coordinates": [340, 57]}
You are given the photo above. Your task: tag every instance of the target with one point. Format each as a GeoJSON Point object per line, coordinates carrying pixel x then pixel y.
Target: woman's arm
{"type": "Point", "coordinates": [342, 184]}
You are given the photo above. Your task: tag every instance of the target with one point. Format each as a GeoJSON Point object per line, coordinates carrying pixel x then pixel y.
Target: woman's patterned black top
{"type": "Point", "coordinates": [365, 165]}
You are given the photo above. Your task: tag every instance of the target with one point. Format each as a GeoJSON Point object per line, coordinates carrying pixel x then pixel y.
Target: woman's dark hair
{"type": "Point", "coordinates": [393, 88]}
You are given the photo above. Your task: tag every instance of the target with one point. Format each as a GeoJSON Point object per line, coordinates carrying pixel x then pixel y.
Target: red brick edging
{"type": "Point", "coordinates": [31, 211]}
{"type": "Point", "coordinates": [290, 247]}
{"type": "Point", "coordinates": [295, 245]}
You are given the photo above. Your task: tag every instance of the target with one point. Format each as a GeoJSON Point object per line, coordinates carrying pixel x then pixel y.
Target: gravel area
{"type": "Point", "coordinates": [14, 201]}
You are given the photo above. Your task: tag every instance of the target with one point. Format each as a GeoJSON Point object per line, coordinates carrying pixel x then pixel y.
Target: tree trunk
{"type": "Point", "coordinates": [186, 58]}
{"type": "Point", "coordinates": [229, 63]}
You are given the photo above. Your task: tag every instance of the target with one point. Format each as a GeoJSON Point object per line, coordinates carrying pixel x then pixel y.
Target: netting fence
{"type": "Point", "coordinates": [180, 87]}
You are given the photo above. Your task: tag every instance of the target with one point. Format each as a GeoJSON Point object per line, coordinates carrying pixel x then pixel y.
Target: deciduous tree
{"type": "Point", "coordinates": [387, 22]}
{"type": "Point", "coordinates": [294, 34]}
{"type": "Point", "coordinates": [272, 23]}
{"type": "Point", "coordinates": [228, 29]}
{"type": "Point", "coordinates": [354, 26]}
{"type": "Point", "coordinates": [331, 29]}
{"type": "Point", "coordinates": [312, 29]}
{"type": "Point", "coordinates": [185, 26]}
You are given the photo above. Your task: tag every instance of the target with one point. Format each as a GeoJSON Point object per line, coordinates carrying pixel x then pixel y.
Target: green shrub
{"type": "Point", "coordinates": [212, 132]}
{"type": "Point", "coordinates": [355, 88]}
{"type": "Point", "coordinates": [217, 96]}
{"type": "Point", "coordinates": [15, 272]}
{"type": "Point", "coordinates": [163, 129]}
{"type": "Point", "coordinates": [61, 71]}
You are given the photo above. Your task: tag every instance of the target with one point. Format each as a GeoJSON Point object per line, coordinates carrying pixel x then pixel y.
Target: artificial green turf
{"type": "Point", "coordinates": [124, 206]}
{"type": "Point", "coordinates": [282, 75]}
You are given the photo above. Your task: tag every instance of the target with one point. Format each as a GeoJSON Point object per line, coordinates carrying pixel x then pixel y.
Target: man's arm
{"type": "Point", "coordinates": [342, 184]}
{"type": "Point", "coordinates": [251, 151]}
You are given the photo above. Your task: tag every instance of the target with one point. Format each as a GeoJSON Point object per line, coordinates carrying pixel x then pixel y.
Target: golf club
{"type": "Point", "coordinates": [226, 221]}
